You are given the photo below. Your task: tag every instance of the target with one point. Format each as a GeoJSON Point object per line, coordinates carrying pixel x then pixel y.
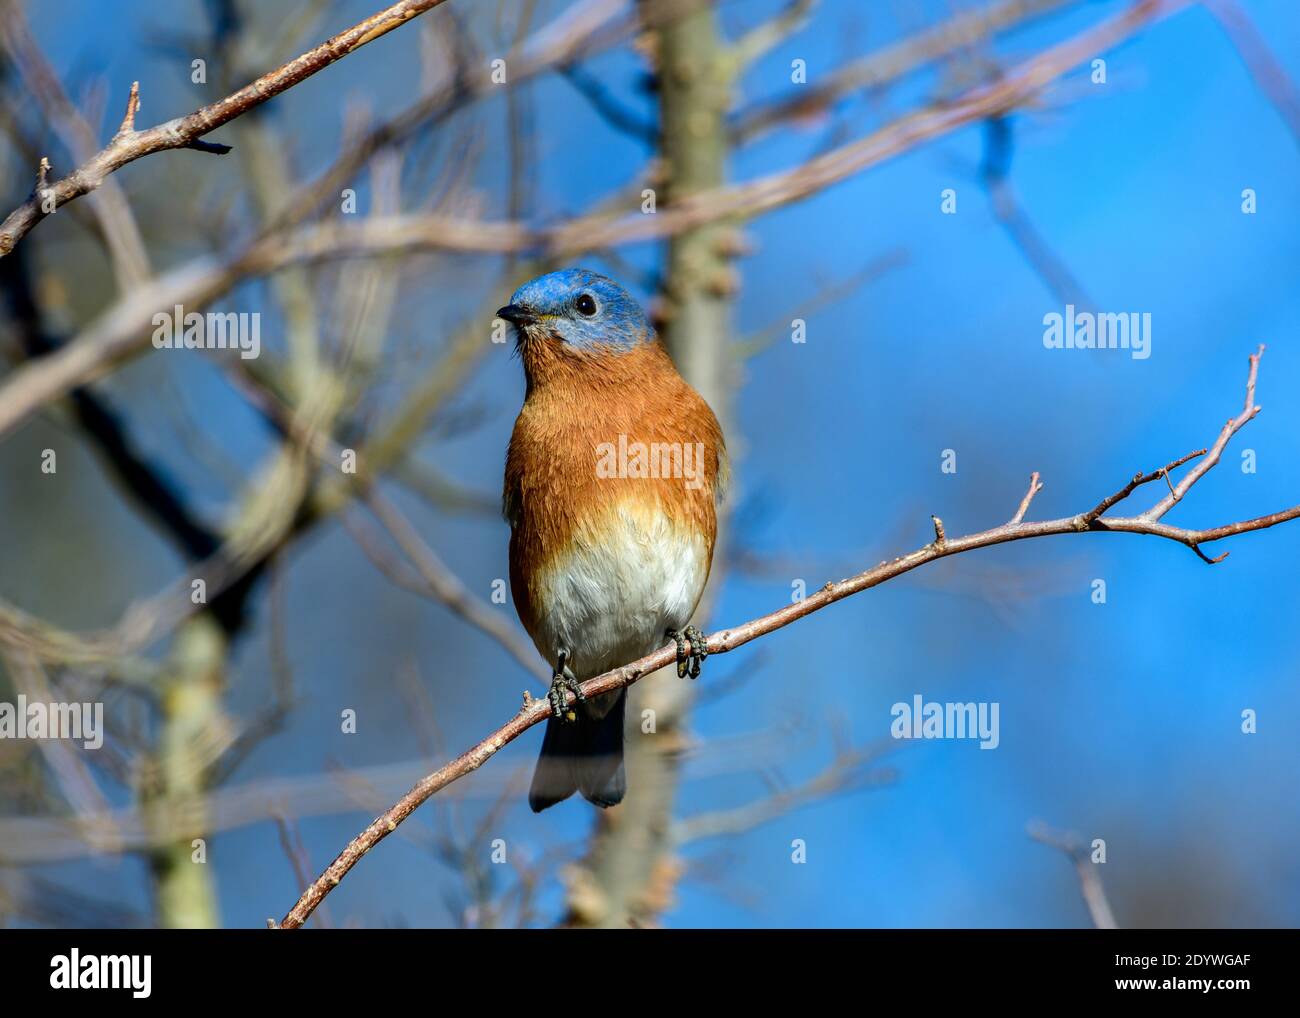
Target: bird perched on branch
{"type": "Point", "coordinates": [612, 480]}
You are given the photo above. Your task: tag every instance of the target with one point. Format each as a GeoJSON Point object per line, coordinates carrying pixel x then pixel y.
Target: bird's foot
{"type": "Point", "coordinates": [689, 663]}
{"type": "Point", "coordinates": [563, 683]}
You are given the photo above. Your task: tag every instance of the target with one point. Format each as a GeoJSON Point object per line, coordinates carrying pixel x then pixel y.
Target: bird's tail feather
{"type": "Point", "coordinates": [584, 756]}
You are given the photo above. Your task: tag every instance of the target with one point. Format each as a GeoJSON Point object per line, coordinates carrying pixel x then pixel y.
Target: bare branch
{"type": "Point", "coordinates": [47, 839]}
{"type": "Point", "coordinates": [758, 40]}
{"type": "Point", "coordinates": [132, 108]}
{"type": "Point", "coordinates": [121, 330]}
{"type": "Point", "coordinates": [1035, 486]}
{"type": "Point", "coordinates": [994, 173]}
{"type": "Point", "coordinates": [1137, 482]}
{"type": "Point", "coordinates": [610, 110]}
{"type": "Point", "coordinates": [825, 297]}
{"type": "Point", "coordinates": [895, 61]}
{"type": "Point", "coordinates": [90, 810]}
{"type": "Point", "coordinates": [118, 229]}
{"type": "Point", "coordinates": [440, 583]}
{"type": "Point", "coordinates": [1234, 425]}
{"type": "Point", "coordinates": [1094, 895]}
{"type": "Point", "coordinates": [296, 852]}
{"type": "Point", "coordinates": [1269, 73]}
{"type": "Point", "coordinates": [581, 29]}
{"type": "Point", "coordinates": [850, 770]}
{"type": "Point", "coordinates": [535, 711]}
{"type": "Point", "coordinates": [744, 200]}
{"type": "Point", "coordinates": [129, 144]}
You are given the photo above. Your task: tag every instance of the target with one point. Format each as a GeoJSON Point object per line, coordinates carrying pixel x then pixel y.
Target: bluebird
{"type": "Point", "coordinates": [612, 480]}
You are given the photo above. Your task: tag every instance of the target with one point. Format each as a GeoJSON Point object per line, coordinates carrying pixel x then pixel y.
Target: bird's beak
{"type": "Point", "coordinates": [518, 314]}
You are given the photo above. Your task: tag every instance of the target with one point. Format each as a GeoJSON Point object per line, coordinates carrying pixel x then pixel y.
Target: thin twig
{"type": "Point", "coordinates": [849, 771]}
{"type": "Point", "coordinates": [1234, 425]}
{"type": "Point", "coordinates": [1269, 73]}
{"type": "Point", "coordinates": [1137, 482]}
{"type": "Point", "coordinates": [1035, 486]}
{"type": "Point", "coordinates": [436, 580]}
{"type": "Point", "coordinates": [129, 144]}
{"type": "Point", "coordinates": [1094, 895]}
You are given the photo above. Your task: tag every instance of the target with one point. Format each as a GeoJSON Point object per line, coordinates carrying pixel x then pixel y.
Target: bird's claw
{"type": "Point", "coordinates": [562, 684]}
{"type": "Point", "coordinates": [689, 663]}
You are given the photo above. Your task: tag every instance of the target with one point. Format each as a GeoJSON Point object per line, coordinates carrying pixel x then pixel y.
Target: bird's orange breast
{"type": "Point", "coordinates": [604, 436]}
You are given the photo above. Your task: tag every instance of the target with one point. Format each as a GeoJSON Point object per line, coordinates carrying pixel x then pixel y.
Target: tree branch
{"type": "Point", "coordinates": [747, 200]}
{"type": "Point", "coordinates": [1094, 895]}
{"type": "Point", "coordinates": [877, 69]}
{"type": "Point", "coordinates": [434, 579]}
{"type": "Point", "coordinates": [535, 711]}
{"type": "Point", "coordinates": [120, 332]}
{"type": "Point", "coordinates": [1234, 425]}
{"type": "Point", "coordinates": [1269, 73]}
{"type": "Point", "coordinates": [129, 144]}
{"type": "Point", "coordinates": [850, 770]}
{"type": "Point", "coordinates": [117, 226]}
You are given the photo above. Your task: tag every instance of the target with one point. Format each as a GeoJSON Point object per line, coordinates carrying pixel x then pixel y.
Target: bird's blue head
{"type": "Point", "coordinates": [582, 309]}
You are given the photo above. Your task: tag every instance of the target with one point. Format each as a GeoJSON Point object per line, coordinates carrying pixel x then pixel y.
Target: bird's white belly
{"type": "Point", "coordinates": [609, 602]}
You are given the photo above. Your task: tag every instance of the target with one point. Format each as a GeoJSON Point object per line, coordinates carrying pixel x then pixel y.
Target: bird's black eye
{"type": "Point", "coordinates": [586, 305]}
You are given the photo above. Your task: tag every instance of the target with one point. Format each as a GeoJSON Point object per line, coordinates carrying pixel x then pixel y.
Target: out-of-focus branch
{"type": "Point", "coordinates": [995, 175]}
{"type": "Point", "coordinates": [149, 619]}
{"type": "Point", "coordinates": [758, 40]}
{"type": "Point", "coordinates": [122, 330]}
{"type": "Point", "coordinates": [185, 132]}
{"type": "Point", "coordinates": [850, 770]}
{"type": "Point", "coordinates": [1015, 529]}
{"type": "Point", "coordinates": [49, 839]}
{"type": "Point", "coordinates": [1264, 67]}
{"type": "Point", "coordinates": [299, 859]}
{"type": "Point", "coordinates": [581, 29]}
{"type": "Point", "coordinates": [81, 792]}
{"type": "Point", "coordinates": [1094, 895]}
{"type": "Point", "coordinates": [829, 295]}
{"type": "Point", "coordinates": [442, 493]}
{"type": "Point", "coordinates": [24, 632]}
{"type": "Point", "coordinates": [891, 63]}
{"type": "Point", "coordinates": [154, 494]}
{"type": "Point", "coordinates": [48, 903]}
{"type": "Point", "coordinates": [756, 197]}
{"type": "Point", "coordinates": [439, 582]}
{"type": "Point", "coordinates": [610, 110]}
